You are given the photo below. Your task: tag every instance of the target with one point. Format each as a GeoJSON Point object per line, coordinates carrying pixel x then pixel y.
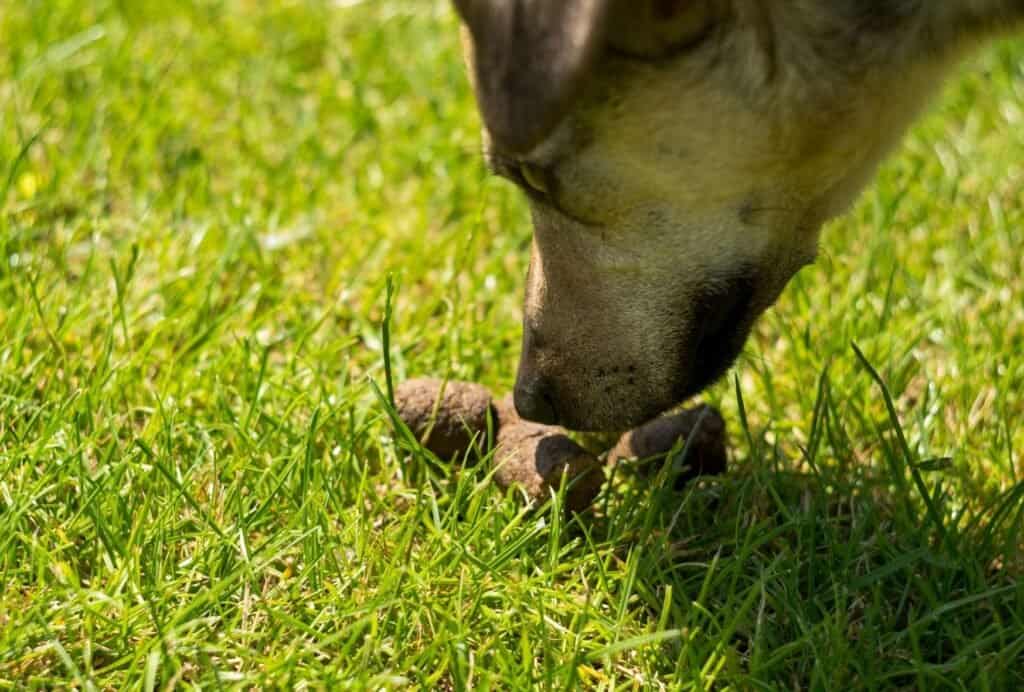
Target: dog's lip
{"type": "Point", "coordinates": [723, 320]}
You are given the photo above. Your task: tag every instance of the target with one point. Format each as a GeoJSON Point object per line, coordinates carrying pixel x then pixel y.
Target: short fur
{"type": "Point", "coordinates": [680, 157]}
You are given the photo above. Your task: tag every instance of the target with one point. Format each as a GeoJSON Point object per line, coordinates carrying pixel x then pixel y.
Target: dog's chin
{"type": "Point", "coordinates": [613, 415]}
{"type": "Point", "coordinates": [618, 414]}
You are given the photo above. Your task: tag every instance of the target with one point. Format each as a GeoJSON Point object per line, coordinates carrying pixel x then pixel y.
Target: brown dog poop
{"type": "Point", "coordinates": [706, 453]}
{"type": "Point", "coordinates": [447, 427]}
{"type": "Point", "coordinates": [535, 457]}
{"type": "Point", "coordinates": [449, 417]}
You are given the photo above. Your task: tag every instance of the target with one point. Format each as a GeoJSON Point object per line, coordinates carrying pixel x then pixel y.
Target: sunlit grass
{"type": "Point", "coordinates": [200, 204]}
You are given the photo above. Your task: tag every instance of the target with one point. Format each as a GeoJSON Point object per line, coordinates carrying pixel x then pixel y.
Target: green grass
{"type": "Point", "coordinates": [200, 204]}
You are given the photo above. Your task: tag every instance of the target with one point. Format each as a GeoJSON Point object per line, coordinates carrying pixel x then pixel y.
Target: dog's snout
{"type": "Point", "coordinates": [534, 399]}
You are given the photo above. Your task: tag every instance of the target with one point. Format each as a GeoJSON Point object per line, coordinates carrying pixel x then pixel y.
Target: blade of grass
{"type": "Point", "coordinates": [908, 457]}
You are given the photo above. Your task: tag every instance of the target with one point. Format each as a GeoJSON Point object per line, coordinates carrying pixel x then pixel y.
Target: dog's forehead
{"type": "Point", "coordinates": [642, 106]}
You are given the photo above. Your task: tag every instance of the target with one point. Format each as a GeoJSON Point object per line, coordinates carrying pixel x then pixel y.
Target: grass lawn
{"type": "Point", "coordinates": [200, 204]}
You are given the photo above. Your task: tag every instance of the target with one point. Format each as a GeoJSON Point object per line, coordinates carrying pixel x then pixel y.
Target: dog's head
{"type": "Point", "coordinates": [680, 157]}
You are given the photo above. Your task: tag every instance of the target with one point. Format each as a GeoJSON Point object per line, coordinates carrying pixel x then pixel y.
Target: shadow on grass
{"type": "Point", "coordinates": [846, 573]}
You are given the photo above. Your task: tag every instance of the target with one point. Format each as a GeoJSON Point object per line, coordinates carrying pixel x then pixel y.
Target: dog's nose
{"type": "Point", "coordinates": [534, 401]}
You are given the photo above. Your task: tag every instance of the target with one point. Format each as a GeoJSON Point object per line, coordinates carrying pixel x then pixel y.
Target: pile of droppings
{"type": "Point", "coordinates": [449, 418]}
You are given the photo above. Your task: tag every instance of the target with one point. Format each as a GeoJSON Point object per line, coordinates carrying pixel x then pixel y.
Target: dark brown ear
{"type": "Point", "coordinates": [529, 57]}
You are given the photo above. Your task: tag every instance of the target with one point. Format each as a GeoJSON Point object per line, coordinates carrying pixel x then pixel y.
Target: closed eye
{"type": "Point", "coordinates": [536, 181]}
{"type": "Point", "coordinates": [537, 178]}
{"type": "Point", "coordinates": [532, 178]}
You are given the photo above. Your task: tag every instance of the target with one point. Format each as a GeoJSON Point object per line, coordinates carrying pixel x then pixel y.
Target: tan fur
{"type": "Point", "coordinates": [672, 174]}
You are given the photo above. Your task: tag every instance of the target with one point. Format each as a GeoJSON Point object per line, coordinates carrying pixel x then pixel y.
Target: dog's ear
{"type": "Point", "coordinates": [529, 58]}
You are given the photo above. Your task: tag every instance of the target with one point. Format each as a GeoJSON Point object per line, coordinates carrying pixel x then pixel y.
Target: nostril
{"type": "Point", "coordinates": [534, 402]}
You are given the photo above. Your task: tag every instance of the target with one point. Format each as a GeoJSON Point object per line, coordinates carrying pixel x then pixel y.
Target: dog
{"type": "Point", "coordinates": [680, 158]}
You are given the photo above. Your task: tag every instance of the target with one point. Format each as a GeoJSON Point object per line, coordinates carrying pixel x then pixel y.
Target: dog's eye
{"type": "Point", "coordinates": [534, 177]}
